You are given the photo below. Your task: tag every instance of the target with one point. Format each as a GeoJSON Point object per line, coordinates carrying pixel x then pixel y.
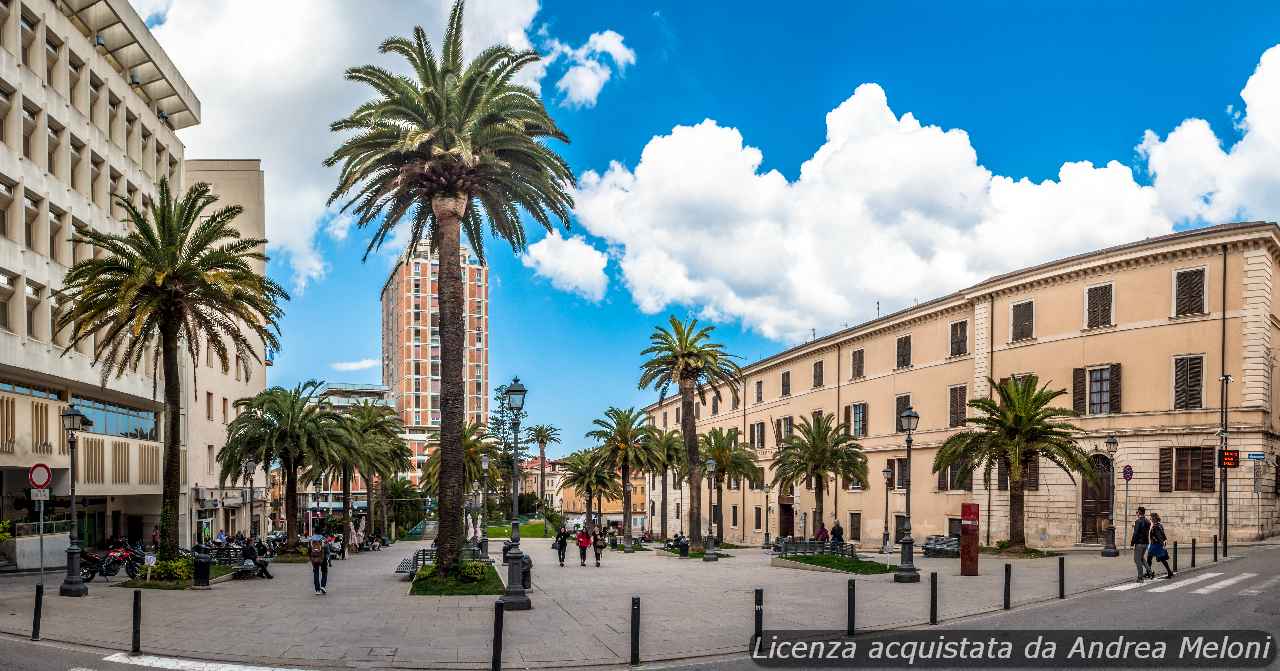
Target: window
{"type": "Point", "coordinates": [1188, 380]}
{"type": "Point", "coordinates": [856, 418]}
{"type": "Point", "coordinates": [759, 391]}
{"type": "Point", "coordinates": [757, 434]}
{"type": "Point", "coordinates": [904, 352]}
{"type": "Point", "coordinates": [956, 402]}
{"type": "Point", "coordinates": [1099, 391]}
{"type": "Point", "coordinates": [956, 477]}
{"type": "Point", "coordinates": [1189, 292]}
{"type": "Point", "coordinates": [1187, 469]}
{"type": "Point", "coordinates": [959, 338]}
{"type": "Point", "coordinates": [954, 527]}
{"type": "Point", "coordinates": [1098, 307]}
{"type": "Point", "coordinates": [209, 459]}
{"type": "Point", "coordinates": [854, 532]}
{"type": "Point", "coordinates": [224, 409]}
{"type": "Point", "coordinates": [788, 427]}
{"type": "Point", "coordinates": [817, 374]}
{"type": "Point", "coordinates": [901, 476]}
{"type": "Point", "coordinates": [208, 405]}
{"type": "Point", "coordinates": [1022, 325]}
{"type": "Point", "coordinates": [715, 404]}
{"type": "Point", "coordinates": [733, 516]}
{"type": "Point", "coordinates": [856, 364]}
{"type": "Point", "coordinates": [758, 516]}
{"type": "Point", "coordinates": [786, 383]}
{"type": "Point", "coordinates": [677, 415]}
{"type": "Point", "coordinates": [664, 419]}
{"type": "Point", "coordinates": [901, 404]}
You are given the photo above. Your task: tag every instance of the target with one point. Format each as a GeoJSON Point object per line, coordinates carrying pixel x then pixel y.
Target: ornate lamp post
{"type": "Point", "coordinates": [515, 598]}
{"type": "Point", "coordinates": [768, 508]}
{"type": "Point", "coordinates": [907, 572]}
{"type": "Point", "coordinates": [887, 547]}
{"type": "Point", "coordinates": [484, 505]}
{"type": "Point", "coordinates": [1113, 446]}
{"type": "Point", "coordinates": [709, 549]}
{"type": "Point", "coordinates": [73, 421]}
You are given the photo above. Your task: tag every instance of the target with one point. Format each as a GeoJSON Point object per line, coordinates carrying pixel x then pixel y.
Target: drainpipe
{"type": "Point", "coordinates": [991, 375]}
{"type": "Point", "coordinates": [1225, 380]}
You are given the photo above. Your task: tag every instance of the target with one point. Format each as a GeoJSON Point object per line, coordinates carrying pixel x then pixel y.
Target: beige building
{"type": "Point", "coordinates": [1135, 334]}
{"type": "Point", "coordinates": [552, 476]}
{"type": "Point", "coordinates": [89, 103]}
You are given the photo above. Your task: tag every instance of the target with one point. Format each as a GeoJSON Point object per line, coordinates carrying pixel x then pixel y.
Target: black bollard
{"type": "Point", "coordinates": [1062, 577]}
{"type": "Point", "coordinates": [759, 629]}
{"type": "Point", "coordinates": [137, 622]}
{"type": "Point", "coordinates": [1215, 547]}
{"type": "Point", "coordinates": [1193, 553]}
{"type": "Point", "coordinates": [1175, 556]}
{"type": "Point", "coordinates": [496, 663]}
{"type": "Point", "coordinates": [1224, 546]}
{"type": "Point", "coordinates": [635, 630]}
{"type": "Point", "coordinates": [853, 600]}
{"type": "Point", "coordinates": [35, 620]}
{"type": "Point", "coordinates": [1008, 578]}
{"type": "Point", "coordinates": [933, 597]}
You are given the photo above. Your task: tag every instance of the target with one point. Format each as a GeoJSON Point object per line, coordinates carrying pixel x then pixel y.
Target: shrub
{"type": "Point", "coordinates": [174, 569]}
{"type": "Point", "coordinates": [6, 530]}
{"type": "Point", "coordinates": [472, 571]}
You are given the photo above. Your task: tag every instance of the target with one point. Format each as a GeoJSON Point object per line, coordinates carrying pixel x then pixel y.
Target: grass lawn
{"type": "Point", "coordinates": [142, 583]}
{"type": "Point", "coordinates": [844, 564]}
{"type": "Point", "coordinates": [435, 586]}
{"type": "Point", "coordinates": [531, 529]}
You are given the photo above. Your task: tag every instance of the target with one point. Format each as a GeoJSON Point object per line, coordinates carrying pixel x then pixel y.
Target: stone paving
{"type": "Point", "coordinates": [689, 608]}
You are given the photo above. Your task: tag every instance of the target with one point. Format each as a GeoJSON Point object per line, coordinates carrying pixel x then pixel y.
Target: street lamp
{"type": "Point", "coordinates": [768, 508]}
{"type": "Point", "coordinates": [709, 549]}
{"type": "Point", "coordinates": [515, 598]}
{"type": "Point", "coordinates": [484, 505]}
{"type": "Point", "coordinates": [73, 421]}
{"type": "Point", "coordinates": [886, 547]}
{"type": "Point", "coordinates": [1113, 446]}
{"type": "Point", "coordinates": [907, 572]}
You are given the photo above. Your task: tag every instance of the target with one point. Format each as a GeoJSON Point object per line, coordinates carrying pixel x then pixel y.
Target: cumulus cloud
{"type": "Point", "coordinates": [892, 209]}
{"type": "Point", "coordinates": [571, 264]}
{"type": "Point", "coordinates": [588, 72]}
{"type": "Point", "coordinates": [360, 364]}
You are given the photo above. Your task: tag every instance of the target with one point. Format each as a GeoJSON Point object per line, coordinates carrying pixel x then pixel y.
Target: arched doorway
{"type": "Point", "coordinates": [1096, 500]}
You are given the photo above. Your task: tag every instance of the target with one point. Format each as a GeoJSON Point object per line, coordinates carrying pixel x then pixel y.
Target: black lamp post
{"type": "Point", "coordinates": [709, 550]}
{"type": "Point", "coordinates": [1112, 446]}
{"type": "Point", "coordinates": [73, 421]}
{"type": "Point", "coordinates": [484, 505]}
{"type": "Point", "coordinates": [907, 572]}
{"type": "Point", "coordinates": [887, 547]}
{"type": "Point", "coordinates": [768, 508]}
{"type": "Point", "coordinates": [626, 541]}
{"type": "Point", "coordinates": [515, 598]}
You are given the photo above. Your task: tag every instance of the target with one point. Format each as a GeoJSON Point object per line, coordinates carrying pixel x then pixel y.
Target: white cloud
{"type": "Point", "coordinates": [581, 83]}
{"type": "Point", "coordinates": [588, 73]}
{"type": "Point", "coordinates": [890, 209]}
{"type": "Point", "coordinates": [361, 364]}
{"type": "Point", "coordinates": [148, 8]}
{"type": "Point", "coordinates": [571, 264]}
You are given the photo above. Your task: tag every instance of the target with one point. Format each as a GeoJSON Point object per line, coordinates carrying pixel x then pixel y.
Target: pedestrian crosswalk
{"type": "Point", "coordinates": [1206, 583]}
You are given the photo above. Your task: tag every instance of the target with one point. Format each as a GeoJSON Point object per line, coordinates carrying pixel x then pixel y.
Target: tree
{"type": "Point", "coordinates": [374, 446]}
{"type": "Point", "coordinates": [669, 458]}
{"type": "Point", "coordinates": [543, 435]}
{"type": "Point", "coordinates": [624, 446]}
{"type": "Point", "coordinates": [291, 426]}
{"type": "Point", "coordinates": [817, 450]}
{"type": "Point", "coordinates": [1018, 428]}
{"type": "Point", "coordinates": [476, 443]}
{"type": "Point", "coordinates": [182, 277]}
{"type": "Point", "coordinates": [502, 420]}
{"type": "Point", "coordinates": [686, 357]}
{"type": "Point", "coordinates": [732, 461]}
{"type": "Point", "coordinates": [586, 474]}
{"type": "Point", "coordinates": [406, 503]}
{"type": "Point", "coordinates": [448, 148]}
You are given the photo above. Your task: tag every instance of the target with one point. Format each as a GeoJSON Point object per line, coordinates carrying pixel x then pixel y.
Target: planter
{"type": "Point", "coordinates": [24, 551]}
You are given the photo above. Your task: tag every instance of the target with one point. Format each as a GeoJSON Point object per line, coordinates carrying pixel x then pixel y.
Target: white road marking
{"type": "Point", "coordinates": [184, 664]}
{"type": "Point", "coordinates": [1127, 586]}
{"type": "Point", "coordinates": [1209, 589]}
{"type": "Point", "coordinates": [1259, 589]}
{"type": "Point", "coordinates": [1183, 583]}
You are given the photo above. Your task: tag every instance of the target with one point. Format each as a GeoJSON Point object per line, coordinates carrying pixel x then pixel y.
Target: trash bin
{"type": "Point", "coordinates": [526, 571]}
{"type": "Point", "coordinates": [684, 548]}
{"type": "Point", "coordinates": [203, 562]}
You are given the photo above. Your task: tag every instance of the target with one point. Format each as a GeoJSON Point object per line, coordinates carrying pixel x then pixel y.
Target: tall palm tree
{"type": "Point", "coordinates": [732, 461]}
{"type": "Point", "coordinates": [182, 277]}
{"type": "Point", "coordinates": [686, 357]}
{"type": "Point", "coordinates": [448, 148]}
{"type": "Point", "coordinates": [476, 443]}
{"type": "Point", "coordinates": [819, 448]}
{"type": "Point", "coordinates": [624, 446]}
{"type": "Point", "coordinates": [1012, 431]}
{"type": "Point", "coordinates": [586, 474]}
{"type": "Point", "coordinates": [373, 435]}
{"type": "Point", "coordinates": [669, 457]}
{"type": "Point", "coordinates": [543, 435]}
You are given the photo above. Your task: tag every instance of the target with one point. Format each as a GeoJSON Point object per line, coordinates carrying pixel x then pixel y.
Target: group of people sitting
{"type": "Point", "coordinates": [836, 535]}
{"type": "Point", "coordinates": [583, 540]}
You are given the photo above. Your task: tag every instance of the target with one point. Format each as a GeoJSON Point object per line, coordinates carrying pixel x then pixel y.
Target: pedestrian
{"type": "Point", "coordinates": [155, 539]}
{"type": "Point", "coordinates": [318, 552]}
{"type": "Point", "coordinates": [251, 552]}
{"type": "Point", "coordinates": [562, 543]}
{"type": "Point", "coordinates": [1141, 538]}
{"type": "Point", "coordinates": [1156, 549]}
{"type": "Point", "coordinates": [821, 535]}
{"type": "Point", "coordinates": [837, 534]}
{"type": "Point", "coordinates": [584, 542]}
{"type": "Point", "coordinates": [599, 546]}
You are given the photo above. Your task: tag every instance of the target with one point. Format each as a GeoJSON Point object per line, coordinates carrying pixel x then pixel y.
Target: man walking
{"type": "Point", "coordinates": [1141, 538]}
{"type": "Point", "coordinates": [318, 552]}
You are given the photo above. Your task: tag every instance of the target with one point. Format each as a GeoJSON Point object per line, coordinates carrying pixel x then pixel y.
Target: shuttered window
{"type": "Point", "coordinates": [1030, 473]}
{"type": "Point", "coordinates": [858, 419]}
{"type": "Point", "coordinates": [956, 404]}
{"type": "Point", "coordinates": [1192, 469]}
{"type": "Point", "coordinates": [786, 383]}
{"type": "Point", "coordinates": [1079, 391]}
{"type": "Point", "coordinates": [904, 351]}
{"type": "Point", "coordinates": [856, 367]}
{"type": "Point", "coordinates": [1024, 315]}
{"type": "Point", "coordinates": [1188, 381]}
{"type": "Point", "coordinates": [1188, 287]}
{"type": "Point", "coordinates": [1098, 310]}
{"type": "Point", "coordinates": [956, 477]}
{"type": "Point", "coordinates": [901, 476]}
{"type": "Point", "coordinates": [1166, 469]}
{"type": "Point", "coordinates": [960, 338]}
{"type": "Point", "coordinates": [759, 391]}
{"type": "Point", "coordinates": [1099, 391]}
{"type": "Point", "coordinates": [715, 405]}
{"type": "Point", "coordinates": [817, 373]}
{"type": "Point", "coordinates": [900, 406]}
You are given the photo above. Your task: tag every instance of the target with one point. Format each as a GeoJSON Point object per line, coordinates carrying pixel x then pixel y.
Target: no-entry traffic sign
{"type": "Point", "coordinates": [39, 476]}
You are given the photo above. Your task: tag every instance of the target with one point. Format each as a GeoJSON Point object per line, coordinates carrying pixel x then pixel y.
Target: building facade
{"type": "Point", "coordinates": [609, 511]}
{"type": "Point", "coordinates": [552, 476]}
{"type": "Point", "coordinates": [411, 344]}
{"type": "Point", "coordinates": [89, 105]}
{"type": "Point", "coordinates": [1138, 335]}
{"type": "Point", "coordinates": [325, 498]}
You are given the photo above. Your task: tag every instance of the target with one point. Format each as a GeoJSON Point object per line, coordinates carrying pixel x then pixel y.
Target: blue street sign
{"type": "Point", "coordinates": [1257, 456]}
{"type": "Point", "coordinates": [1128, 472]}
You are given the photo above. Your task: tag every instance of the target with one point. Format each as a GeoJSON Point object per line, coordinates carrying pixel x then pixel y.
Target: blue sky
{"type": "Point", "coordinates": [1031, 89]}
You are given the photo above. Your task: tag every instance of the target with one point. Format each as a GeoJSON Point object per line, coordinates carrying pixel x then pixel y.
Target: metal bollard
{"type": "Point", "coordinates": [1215, 547]}
{"type": "Point", "coordinates": [1008, 578]}
{"type": "Point", "coordinates": [1062, 577]}
{"type": "Point", "coordinates": [933, 597]}
{"type": "Point", "coordinates": [759, 628]}
{"type": "Point", "coordinates": [1224, 545]}
{"type": "Point", "coordinates": [1193, 553]}
{"type": "Point", "coordinates": [1175, 556]}
{"type": "Point", "coordinates": [137, 622]}
{"type": "Point", "coordinates": [496, 663]}
{"type": "Point", "coordinates": [635, 630]}
{"type": "Point", "coordinates": [853, 600]}
{"type": "Point", "coordinates": [35, 620]}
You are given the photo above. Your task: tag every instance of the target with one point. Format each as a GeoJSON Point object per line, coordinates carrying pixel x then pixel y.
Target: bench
{"type": "Point", "coordinates": [225, 556]}
{"type": "Point", "coordinates": [410, 565]}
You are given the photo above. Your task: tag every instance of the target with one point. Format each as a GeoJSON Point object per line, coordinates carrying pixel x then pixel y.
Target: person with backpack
{"type": "Point", "coordinates": [599, 546]}
{"type": "Point", "coordinates": [584, 542]}
{"type": "Point", "coordinates": [562, 543]}
{"type": "Point", "coordinates": [1139, 539]}
{"type": "Point", "coordinates": [318, 552]}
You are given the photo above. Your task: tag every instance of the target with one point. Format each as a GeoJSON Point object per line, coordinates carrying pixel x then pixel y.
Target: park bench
{"type": "Point", "coordinates": [410, 565]}
{"type": "Point", "coordinates": [225, 556]}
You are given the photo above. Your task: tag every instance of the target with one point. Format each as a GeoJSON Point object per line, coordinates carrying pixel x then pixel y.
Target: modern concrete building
{"type": "Point", "coordinates": [411, 344]}
{"type": "Point", "coordinates": [1139, 336]}
{"type": "Point", "coordinates": [89, 103]}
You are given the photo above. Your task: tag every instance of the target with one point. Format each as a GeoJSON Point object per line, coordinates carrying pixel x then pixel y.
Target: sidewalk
{"type": "Point", "coordinates": [580, 617]}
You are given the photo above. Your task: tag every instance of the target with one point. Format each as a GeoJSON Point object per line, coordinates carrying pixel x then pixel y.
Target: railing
{"type": "Point", "coordinates": [33, 528]}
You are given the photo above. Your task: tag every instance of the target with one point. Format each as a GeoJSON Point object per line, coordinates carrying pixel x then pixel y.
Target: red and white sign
{"type": "Point", "coordinates": [39, 476]}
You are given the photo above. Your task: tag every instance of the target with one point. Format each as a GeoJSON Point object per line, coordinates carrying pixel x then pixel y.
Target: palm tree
{"type": "Point", "coordinates": [292, 426]}
{"type": "Point", "coordinates": [181, 277]}
{"type": "Point", "coordinates": [476, 443]}
{"type": "Point", "coordinates": [818, 449]}
{"type": "Point", "coordinates": [1013, 431]}
{"type": "Point", "coordinates": [449, 148]}
{"type": "Point", "coordinates": [586, 474]}
{"type": "Point", "coordinates": [732, 461]}
{"type": "Point", "coordinates": [669, 456]}
{"type": "Point", "coordinates": [373, 437]}
{"type": "Point", "coordinates": [624, 446]}
{"type": "Point", "coordinates": [405, 499]}
{"type": "Point", "coordinates": [543, 435]}
{"type": "Point", "coordinates": [686, 357]}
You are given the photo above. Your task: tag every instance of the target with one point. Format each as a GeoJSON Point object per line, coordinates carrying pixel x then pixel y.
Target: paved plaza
{"type": "Point", "coordinates": [581, 615]}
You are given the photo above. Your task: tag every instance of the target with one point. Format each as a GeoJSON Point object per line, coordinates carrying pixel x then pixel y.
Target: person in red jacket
{"type": "Point", "coordinates": [584, 542]}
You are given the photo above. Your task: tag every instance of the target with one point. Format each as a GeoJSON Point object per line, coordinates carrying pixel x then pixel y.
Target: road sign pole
{"type": "Point", "coordinates": [1126, 512]}
{"type": "Point", "coordinates": [40, 511]}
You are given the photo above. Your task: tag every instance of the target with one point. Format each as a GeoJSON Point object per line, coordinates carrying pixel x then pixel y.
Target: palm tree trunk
{"type": "Point", "coordinates": [664, 504]}
{"type": "Point", "coordinates": [818, 512]}
{"type": "Point", "coordinates": [448, 211]}
{"type": "Point", "coordinates": [542, 485]}
{"type": "Point", "coordinates": [1017, 530]}
{"type": "Point", "coordinates": [587, 524]}
{"type": "Point", "coordinates": [690, 434]}
{"type": "Point", "coordinates": [388, 525]}
{"type": "Point", "coordinates": [835, 501]}
{"type": "Point", "coordinates": [346, 509]}
{"type": "Point", "coordinates": [626, 503]}
{"type": "Point", "coordinates": [172, 441]}
{"type": "Point", "coordinates": [719, 508]}
{"type": "Point", "coordinates": [290, 502]}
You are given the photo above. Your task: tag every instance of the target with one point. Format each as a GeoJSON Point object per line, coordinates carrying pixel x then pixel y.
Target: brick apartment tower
{"type": "Point", "coordinates": [411, 344]}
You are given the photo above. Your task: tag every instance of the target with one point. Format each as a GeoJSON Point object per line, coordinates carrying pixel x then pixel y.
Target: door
{"type": "Point", "coordinates": [786, 521]}
{"type": "Point", "coordinates": [135, 528]}
{"type": "Point", "coordinates": [1096, 501]}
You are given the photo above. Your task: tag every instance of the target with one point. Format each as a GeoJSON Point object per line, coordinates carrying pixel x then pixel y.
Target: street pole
{"type": "Point", "coordinates": [767, 510]}
{"type": "Point", "coordinates": [907, 571]}
{"type": "Point", "coordinates": [886, 547]}
{"type": "Point", "coordinates": [515, 482]}
{"type": "Point", "coordinates": [72, 585]}
{"type": "Point", "coordinates": [1126, 513]}
{"type": "Point", "coordinates": [40, 510]}
{"type": "Point", "coordinates": [515, 597]}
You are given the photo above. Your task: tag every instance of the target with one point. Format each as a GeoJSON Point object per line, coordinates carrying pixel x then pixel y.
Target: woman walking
{"type": "Point", "coordinates": [584, 542]}
{"type": "Point", "coordinates": [599, 546]}
{"type": "Point", "coordinates": [562, 543]}
{"type": "Point", "coordinates": [1155, 550]}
